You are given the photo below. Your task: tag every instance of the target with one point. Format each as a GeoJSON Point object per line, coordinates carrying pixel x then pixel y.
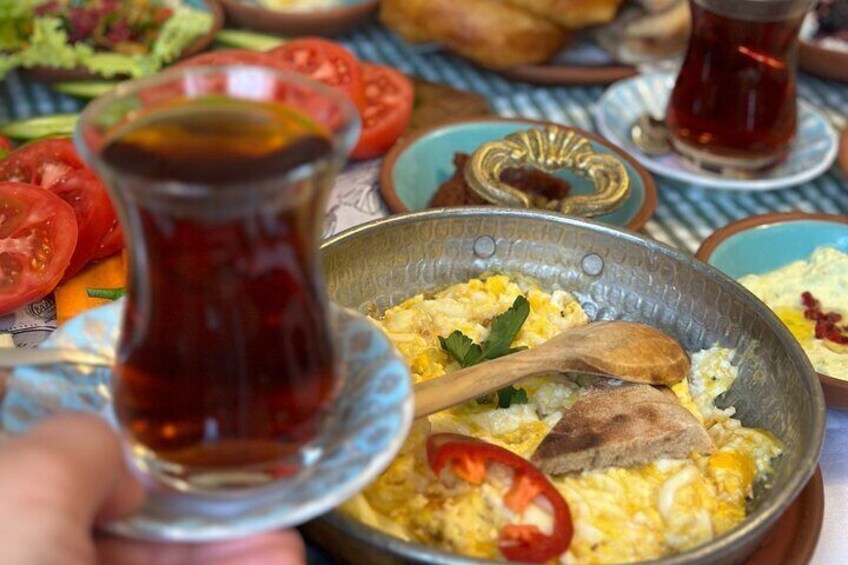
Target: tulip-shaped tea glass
{"type": "Point", "coordinates": [225, 370]}
{"type": "Point", "coordinates": [733, 108]}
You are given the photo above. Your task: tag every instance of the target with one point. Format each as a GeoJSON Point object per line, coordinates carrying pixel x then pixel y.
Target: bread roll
{"type": "Point", "coordinates": [491, 33]}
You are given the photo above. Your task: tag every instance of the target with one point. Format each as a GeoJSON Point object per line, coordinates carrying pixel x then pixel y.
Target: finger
{"type": "Point", "coordinates": [72, 465]}
{"type": "Point", "coordinates": [273, 548]}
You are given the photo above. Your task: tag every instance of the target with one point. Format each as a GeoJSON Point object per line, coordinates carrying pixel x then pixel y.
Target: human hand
{"type": "Point", "coordinates": [67, 475]}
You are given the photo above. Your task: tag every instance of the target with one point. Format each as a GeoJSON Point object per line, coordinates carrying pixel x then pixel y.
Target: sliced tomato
{"type": "Point", "coordinates": [55, 165]}
{"type": "Point", "coordinates": [325, 61]}
{"type": "Point", "coordinates": [388, 97]}
{"type": "Point", "coordinates": [38, 233]}
{"type": "Point", "coordinates": [42, 162]}
{"type": "Point", "coordinates": [235, 57]}
{"type": "Point", "coordinates": [469, 459]}
{"type": "Point", "coordinates": [112, 242]}
{"type": "Point", "coordinates": [93, 210]}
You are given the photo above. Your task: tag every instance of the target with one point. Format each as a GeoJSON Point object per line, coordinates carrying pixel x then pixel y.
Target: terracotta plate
{"type": "Point", "coordinates": [835, 390]}
{"type": "Point", "coordinates": [561, 74]}
{"type": "Point", "coordinates": [825, 63]}
{"type": "Point", "coordinates": [329, 21]}
{"type": "Point", "coordinates": [49, 75]}
{"type": "Point", "coordinates": [793, 538]}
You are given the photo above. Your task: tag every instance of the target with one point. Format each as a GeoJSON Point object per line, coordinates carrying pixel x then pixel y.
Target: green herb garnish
{"type": "Point", "coordinates": [504, 329]}
{"type": "Point", "coordinates": [510, 395]}
{"type": "Point", "coordinates": [105, 293]}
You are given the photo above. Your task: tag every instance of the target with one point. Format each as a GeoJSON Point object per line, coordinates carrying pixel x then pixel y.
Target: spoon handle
{"type": "Point", "coordinates": [11, 357]}
{"type": "Point", "coordinates": [472, 382]}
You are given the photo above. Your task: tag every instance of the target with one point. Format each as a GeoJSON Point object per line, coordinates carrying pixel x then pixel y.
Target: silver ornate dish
{"type": "Point", "coordinates": [614, 274]}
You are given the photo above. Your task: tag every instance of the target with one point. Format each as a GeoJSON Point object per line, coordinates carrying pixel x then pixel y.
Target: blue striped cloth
{"type": "Point", "coordinates": [685, 214]}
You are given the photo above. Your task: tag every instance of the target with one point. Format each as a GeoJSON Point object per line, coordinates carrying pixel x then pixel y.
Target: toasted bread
{"type": "Point", "coordinates": [621, 426]}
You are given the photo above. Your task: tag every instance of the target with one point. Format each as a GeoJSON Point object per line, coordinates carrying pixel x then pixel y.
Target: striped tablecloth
{"type": "Point", "coordinates": [685, 214]}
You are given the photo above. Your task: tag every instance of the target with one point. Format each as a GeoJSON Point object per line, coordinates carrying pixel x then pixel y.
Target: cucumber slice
{"type": "Point", "coordinates": [241, 39]}
{"type": "Point", "coordinates": [42, 126]}
{"type": "Point", "coordinates": [86, 89]}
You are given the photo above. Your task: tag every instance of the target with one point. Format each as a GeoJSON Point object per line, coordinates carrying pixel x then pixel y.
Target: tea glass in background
{"type": "Point", "coordinates": [225, 370]}
{"type": "Point", "coordinates": [733, 107]}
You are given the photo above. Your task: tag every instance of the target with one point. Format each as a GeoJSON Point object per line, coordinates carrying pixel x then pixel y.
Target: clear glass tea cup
{"type": "Point", "coordinates": [733, 107]}
{"type": "Point", "coordinates": [226, 370]}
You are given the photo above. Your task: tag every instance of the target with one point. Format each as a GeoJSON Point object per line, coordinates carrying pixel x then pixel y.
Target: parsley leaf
{"type": "Point", "coordinates": [504, 329]}
{"type": "Point", "coordinates": [461, 348]}
{"type": "Point", "coordinates": [510, 395]}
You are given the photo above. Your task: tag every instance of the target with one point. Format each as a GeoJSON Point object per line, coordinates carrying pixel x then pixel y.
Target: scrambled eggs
{"type": "Point", "coordinates": [825, 275]}
{"type": "Point", "coordinates": [620, 514]}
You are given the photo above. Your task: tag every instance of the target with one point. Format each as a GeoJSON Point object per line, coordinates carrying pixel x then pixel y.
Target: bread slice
{"type": "Point", "coordinates": [621, 426]}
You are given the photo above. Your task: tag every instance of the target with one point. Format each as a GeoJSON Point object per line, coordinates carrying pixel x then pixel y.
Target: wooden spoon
{"type": "Point", "coordinates": [628, 351]}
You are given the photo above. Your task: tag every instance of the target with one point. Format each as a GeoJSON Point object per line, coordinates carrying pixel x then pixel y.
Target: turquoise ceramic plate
{"type": "Point", "coordinates": [372, 415]}
{"type": "Point", "coordinates": [414, 168]}
{"type": "Point", "coordinates": [811, 153]}
{"type": "Point", "coordinates": [760, 244]}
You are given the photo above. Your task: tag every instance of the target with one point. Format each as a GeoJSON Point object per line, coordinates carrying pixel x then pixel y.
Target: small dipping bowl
{"type": "Point", "coordinates": [414, 169]}
{"type": "Point", "coordinates": [322, 21]}
{"type": "Point", "coordinates": [760, 244]}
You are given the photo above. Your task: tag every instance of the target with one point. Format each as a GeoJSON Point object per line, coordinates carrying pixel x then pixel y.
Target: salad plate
{"type": "Point", "coordinates": [371, 417]}
{"type": "Point", "coordinates": [812, 151]}
{"type": "Point", "coordinates": [202, 40]}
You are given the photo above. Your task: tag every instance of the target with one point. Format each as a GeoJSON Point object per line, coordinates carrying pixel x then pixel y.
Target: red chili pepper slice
{"type": "Point", "coordinates": [826, 327]}
{"type": "Point", "coordinates": [469, 459]}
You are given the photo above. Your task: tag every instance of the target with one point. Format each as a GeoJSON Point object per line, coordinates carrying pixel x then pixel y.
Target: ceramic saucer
{"type": "Point", "coordinates": [372, 416]}
{"type": "Point", "coordinates": [811, 154]}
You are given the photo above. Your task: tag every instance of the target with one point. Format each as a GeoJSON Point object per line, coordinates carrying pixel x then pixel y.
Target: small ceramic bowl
{"type": "Point", "coordinates": [763, 243]}
{"type": "Point", "coordinates": [51, 75]}
{"type": "Point", "coordinates": [415, 168]}
{"type": "Point", "coordinates": [319, 21]}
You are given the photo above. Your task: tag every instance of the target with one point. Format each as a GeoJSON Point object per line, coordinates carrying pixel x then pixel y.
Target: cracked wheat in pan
{"type": "Point", "coordinates": [586, 471]}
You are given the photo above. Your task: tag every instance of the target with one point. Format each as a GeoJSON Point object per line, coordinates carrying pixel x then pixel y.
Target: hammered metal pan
{"type": "Point", "coordinates": [615, 275]}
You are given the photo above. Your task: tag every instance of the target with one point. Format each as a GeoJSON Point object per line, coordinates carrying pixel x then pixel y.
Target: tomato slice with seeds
{"type": "Point", "coordinates": [38, 233]}
{"type": "Point", "coordinates": [388, 96]}
{"type": "Point", "coordinates": [42, 162]}
{"type": "Point", "coordinates": [469, 459]}
{"type": "Point", "coordinates": [93, 210]}
{"type": "Point", "coordinates": [325, 61]}
{"type": "Point", "coordinates": [55, 165]}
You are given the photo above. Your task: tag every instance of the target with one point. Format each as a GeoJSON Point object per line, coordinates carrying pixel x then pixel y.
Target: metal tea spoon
{"type": "Point", "coordinates": [651, 135]}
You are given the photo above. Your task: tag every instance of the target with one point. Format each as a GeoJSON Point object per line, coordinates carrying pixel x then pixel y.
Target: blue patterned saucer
{"type": "Point", "coordinates": [372, 416]}
{"type": "Point", "coordinates": [811, 153]}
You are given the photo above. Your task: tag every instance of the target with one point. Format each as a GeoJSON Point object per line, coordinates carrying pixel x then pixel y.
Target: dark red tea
{"type": "Point", "coordinates": [226, 358]}
{"type": "Point", "coordinates": [735, 96]}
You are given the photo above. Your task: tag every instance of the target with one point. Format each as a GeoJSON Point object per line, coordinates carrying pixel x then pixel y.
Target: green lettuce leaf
{"type": "Point", "coordinates": [179, 32]}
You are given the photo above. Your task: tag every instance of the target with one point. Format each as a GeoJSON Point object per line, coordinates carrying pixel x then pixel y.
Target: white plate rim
{"type": "Point", "coordinates": [691, 178]}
